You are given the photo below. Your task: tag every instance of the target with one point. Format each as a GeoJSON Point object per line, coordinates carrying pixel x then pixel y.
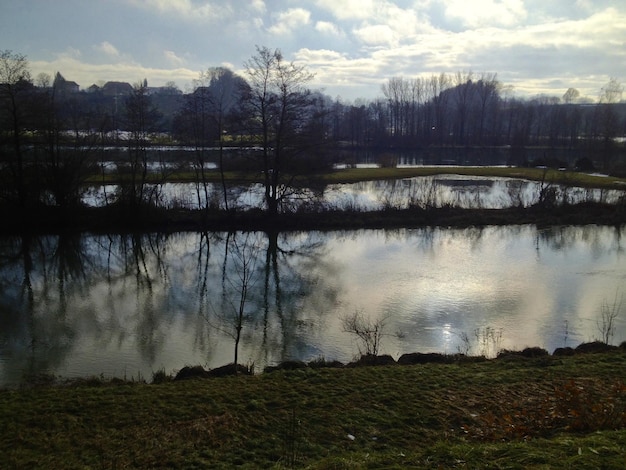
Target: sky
{"type": "Point", "coordinates": [352, 46]}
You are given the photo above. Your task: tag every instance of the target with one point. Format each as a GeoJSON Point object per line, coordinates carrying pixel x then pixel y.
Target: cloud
{"type": "Point", "coordinates": [328, 28]}
{"type": "Point", "coordinates": [69, 53]}
{"type": "Point", "coordinates": [351, 74]}
{"type": "Point", "coordinates": [258, 5]}
{"type": "Point", "coordinates": [349, 9]}
{"type": "Point", "coordinates": [289, 20]}
{"type": "Point", "coordinates": [107, 48]}
{"type": "Point", "coordinates": [192, 10]}
{"type": "Point", "coordinates": [172, 58]}
{"type": "Point", "coordinates": [585, 5]}
{"type": "Point", "coordinates": [377, 35]}
{"type": "Point", "coordinates": [537, 52]}
{"type": "Point", "coordinates": [477, 13]}
{"type": "Point", "coordinates": [351, 45]}
{"type": "Point", "coordinates": [379, 23]}
{"type": "Point", "coordinates": [318, 56]}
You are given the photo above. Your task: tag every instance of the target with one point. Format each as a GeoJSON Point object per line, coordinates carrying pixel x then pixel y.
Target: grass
{"type": "Point", "coordinates": [570, 178]}
{"type": "Point", "coordinates": [353, 175]}
{"type": "Point", "coordinates": [522, 413]}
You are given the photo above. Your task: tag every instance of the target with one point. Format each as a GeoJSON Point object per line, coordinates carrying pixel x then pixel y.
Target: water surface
{"type": "Point", "coordinates": [128, 306]}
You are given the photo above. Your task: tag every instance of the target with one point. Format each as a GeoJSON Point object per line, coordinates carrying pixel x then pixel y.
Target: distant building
{"type": "Point", "coordinates": [65, 86]}
{"type": "Point", "coordinates": [117, 88]}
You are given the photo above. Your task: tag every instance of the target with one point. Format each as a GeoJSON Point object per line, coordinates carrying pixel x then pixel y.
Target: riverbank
{"type": "Point", "coordinates": [514, 412]}
{"type": "Point", "coordinates": [113, 219]}
{"type": "Point", "coordinates": [355, 175]}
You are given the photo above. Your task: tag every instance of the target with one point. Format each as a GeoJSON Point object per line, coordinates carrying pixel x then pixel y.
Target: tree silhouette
{"type": "Point", "coordinates": [277, 106]}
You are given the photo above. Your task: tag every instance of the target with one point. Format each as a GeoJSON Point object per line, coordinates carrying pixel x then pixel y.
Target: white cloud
{"type": "Point", "coordinates": [405, 23]}
{"type": "Point", "coordinates": [535, 45]}
{"type": "Point", "coordinates": [189, 9]}
{"type": "Point", "coordinates": [258, 5]}
{"type": "Point", "coordinates": [257, 23]}
{"type": "Point", "coordinates": [69, 53]}
{"type": "Point", "coordinates": [379, 23]}
{"type": "Point", "coordinates": [352, 75]}
{"type": "Point", "coordinates": [318, 56]}
{"type": "Point", "coordinates": [290, 20]}
{"type": "Point", "coordinates": [478, 13]}
{"type": "Point", "coordinates": [377, 35]}
{"type": "Point", "coordinates": [173, 59]}
{"type": "Point", "coordinates": [349, 9]}
{"type": "Point", "coordinates": [107, 48]}
{"type": "Point", "coordinates": [328, 28]}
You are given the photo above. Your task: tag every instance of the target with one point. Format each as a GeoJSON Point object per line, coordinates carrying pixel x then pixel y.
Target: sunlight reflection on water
{"type": "Point", "coordinates": [132, 305]}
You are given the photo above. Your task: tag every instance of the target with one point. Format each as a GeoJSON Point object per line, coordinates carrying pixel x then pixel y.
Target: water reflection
{"type": "Point", "coordinates": [132, 304]}
{"type": "Point", "coordinates": [424, 191]}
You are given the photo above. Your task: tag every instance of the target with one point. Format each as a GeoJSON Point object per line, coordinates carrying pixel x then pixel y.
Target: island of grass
{"type": "Point", "coordinates": [354, 175]}
{"type": "Point", "coordinates": [117, 217]}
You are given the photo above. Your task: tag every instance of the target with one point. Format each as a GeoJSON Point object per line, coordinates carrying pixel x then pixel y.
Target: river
{"type": "Point", "coordinates": [131, 305]}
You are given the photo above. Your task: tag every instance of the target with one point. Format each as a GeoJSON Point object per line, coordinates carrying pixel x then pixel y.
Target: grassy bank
{"type": "Point", "coordinates": [568, 178]}
{"type": "Point", "coordinates": [113, 219]}
{"type": "Point", "coordinates": [354, 175]}
{"type": "Point", "coordinates": [547, 412]}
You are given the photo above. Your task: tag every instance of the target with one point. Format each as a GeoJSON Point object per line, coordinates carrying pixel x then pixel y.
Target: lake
{"type": "Point", "coordinates": [131, 305]}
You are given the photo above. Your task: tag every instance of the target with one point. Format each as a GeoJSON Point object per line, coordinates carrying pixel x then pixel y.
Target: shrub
{"type": "Point", "coordinates": [369, 332]}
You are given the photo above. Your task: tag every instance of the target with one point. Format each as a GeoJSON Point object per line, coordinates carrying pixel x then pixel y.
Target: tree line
{"type": "Point", "coordinates": [53, 138]}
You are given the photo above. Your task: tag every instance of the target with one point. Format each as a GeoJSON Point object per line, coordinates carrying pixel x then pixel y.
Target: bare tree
{"type": "Point", "coordinates": [369, 332]}
{"type": "Point", "coordinates": [14, 87]}
{"type": "Point", "coordinates": [67, 139]}
{"type": "Point", "coordinates": [194, 125]}
{"type": "Point", "coordinates": [612, 91]}
{"type": "Point", "coordinates": [571, 95]}
{"type": "Point", "coordinates": [277, 105]}
{"type": "Point", "coordinates": [203, 122]}
{"type": "Point", "coordinates": [141, 117]}
{"type": "Point", "coordinates": [397, 91]}
{"type": "Point", "coordinates": [608, 118]}
{"type": "Point", "coordinates": [487, 89]}
{"type": "Point", "coordinates": [608, 315]}
{"type": "Point", "coordinates": [438, 84]}
{"type": "Point", "coordinates": [225, 89]}
{"type": "Point", "coordinates": [43, 80]}
{"type": "Point", "coordinates": [463, 95]}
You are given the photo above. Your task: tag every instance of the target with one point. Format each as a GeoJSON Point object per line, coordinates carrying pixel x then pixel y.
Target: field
{"type": "Point", "coordinates": [513, 412]}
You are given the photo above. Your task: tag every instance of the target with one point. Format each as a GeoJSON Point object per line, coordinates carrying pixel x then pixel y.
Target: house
{"type": "Point", "coordinates": [64, 86]}
{"type": "Point", "coordinates": [117, 89]}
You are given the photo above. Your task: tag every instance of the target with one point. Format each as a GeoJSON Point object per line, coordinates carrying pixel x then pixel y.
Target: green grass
{"type": "Point", "coordinates": [526, 413]}
{"type": "Point", "coordinates": [571, 178]}
{"type": "Point", "coordinates": [353, 175]}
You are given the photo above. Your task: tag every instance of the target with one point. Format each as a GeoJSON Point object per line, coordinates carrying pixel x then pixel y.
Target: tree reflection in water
{"type": "Point", "coordinates": [133, 304]}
